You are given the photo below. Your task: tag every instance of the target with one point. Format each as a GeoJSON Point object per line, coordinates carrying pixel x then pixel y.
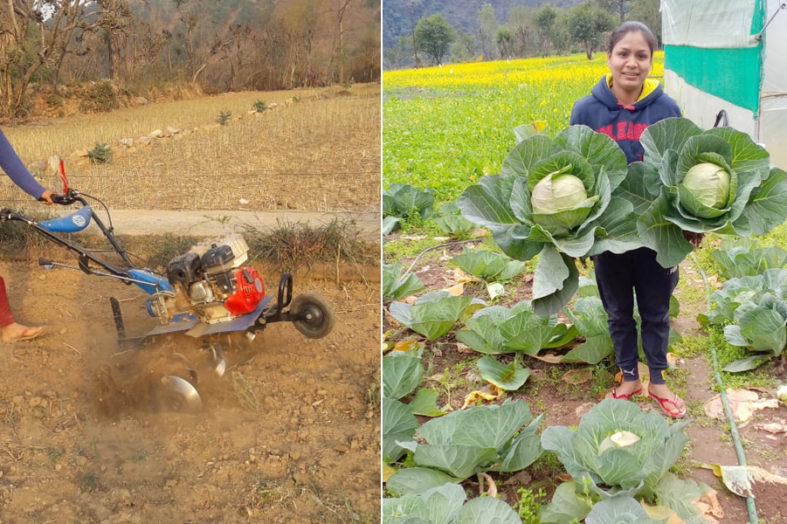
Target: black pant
{"type": "Point", "coordinates": [618, 277]}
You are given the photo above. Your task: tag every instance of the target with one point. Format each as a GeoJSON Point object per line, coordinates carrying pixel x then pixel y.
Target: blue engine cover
{"type": "Point", "coordinates": [70, 223]}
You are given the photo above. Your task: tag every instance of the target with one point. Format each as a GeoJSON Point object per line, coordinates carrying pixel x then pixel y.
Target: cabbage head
{"type": "Point", "coordinates": [560, 202]}
{"type": "Point", "coordinates": [618, 448]}
{"type": "Point", "coordinates": [705, 190]}
{"type": "Point", "coordinates": [701, 181]}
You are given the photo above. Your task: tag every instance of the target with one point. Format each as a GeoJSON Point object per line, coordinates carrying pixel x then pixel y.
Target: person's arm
{"type": "Point", "coordinates": [16, 170]}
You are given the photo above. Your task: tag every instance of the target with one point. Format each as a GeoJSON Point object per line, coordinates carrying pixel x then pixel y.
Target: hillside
{"type": "Point", "coordinates": [400, 16]}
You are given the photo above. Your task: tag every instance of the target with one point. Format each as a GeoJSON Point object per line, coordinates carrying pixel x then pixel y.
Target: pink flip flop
{"type": "Point", "coordinates": [662, 401]}
{"type": "Point", "coordinates": [624, 396]}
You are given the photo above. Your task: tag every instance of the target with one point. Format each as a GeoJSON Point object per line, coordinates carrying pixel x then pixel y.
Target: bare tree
{"type": "Point", "coordinates": [33, 33]}
{"type": "Point", "coordinates": [341, 9]}
{"type": "Point", "coordinates": [113, 20]}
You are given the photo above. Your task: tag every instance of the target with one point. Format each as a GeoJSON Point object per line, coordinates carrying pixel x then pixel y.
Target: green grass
{"type": "Point", "coordinates": [726, 353]}
{"type": "Point", "coordinates": [445, 128]}
{"type": "Point", "coordinates": [691, 346]}
{"type": "Point", "coordinates": [529, 504]}
{"type": "Point", "coordinates": [777, 237]}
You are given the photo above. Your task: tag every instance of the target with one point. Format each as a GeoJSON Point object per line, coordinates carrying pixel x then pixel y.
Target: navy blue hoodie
{"type": "Point", "coordinates": [16, 170]}
{"type": "Point", "coordinates": [602, 112]}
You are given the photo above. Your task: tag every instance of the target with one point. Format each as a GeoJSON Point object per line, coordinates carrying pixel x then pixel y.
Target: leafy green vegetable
{"type": "Point", "coordinates": [395, 287]}
{"type": "Point", "coordinates": [444, 505]}
{"type": "Point", "coordinates": [747, 260]}
{"type": "Point", "coordinates": [425, 403]}
{"type": "Point", "coordinates": [451, 221]}
{"type": "Point", "coordinates": [412, 481]}
{"type": "Point", "coordinates": [399, 424]}
{"type": "Point", "coordinates": [609, 479]}
{"type": "Point", "coordinates": [401, 201]}
{"type": "Point", "coordinates": [592, 224]}
{"type": "Point", "coordinates": [753, 311]}
{"type": "Point", "coordinates": [748, 291]}
{"type": "Point", "coordinates": [483, 330]}
{"type": "Point", "coordinates": [463, 443]}
{"type": "Point", "coordinates": [619, 509]}
{"type": "Point", "coordinates": [760, 327]}
{"type": "Point", "coordinates": [496, 329]}
{"type": "Point", "coordinates": [433, 315]}
{"type": "Point", "coordinates": [706, 186]}
{"type": "Point", "coordinates": [488, 265]}
{"type": "Point", "coordinates": [560, 202]}
{"type": "Point", "coordinates": [590, 320]}
{"type": "Point", "coordinates": [510, 377]}
{"type": "Point", "coordinates": [635, 469]}
{"type": "Point", "coordinates": [401, 374]}
{"type": "Point", "coordinates": [567, 505]}
{"type": "Point", "coordinates": [701, 181]}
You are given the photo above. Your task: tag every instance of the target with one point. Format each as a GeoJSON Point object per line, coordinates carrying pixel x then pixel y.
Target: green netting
{"type": "Point", "coordinates": [730, 74]}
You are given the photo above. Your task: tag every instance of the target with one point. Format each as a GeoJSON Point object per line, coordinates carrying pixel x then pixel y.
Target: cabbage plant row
{"type": "Point", "coordinates": [618, 458]}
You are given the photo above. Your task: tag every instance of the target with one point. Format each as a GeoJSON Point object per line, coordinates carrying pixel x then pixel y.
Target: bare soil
{"type": "Point", "coordinates": [451, 370]}
{"type": "Point", "coordinates": [290, 433]}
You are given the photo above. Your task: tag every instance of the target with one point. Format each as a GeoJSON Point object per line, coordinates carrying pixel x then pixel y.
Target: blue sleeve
{"type": "Point", "coordinates": [16, 170]}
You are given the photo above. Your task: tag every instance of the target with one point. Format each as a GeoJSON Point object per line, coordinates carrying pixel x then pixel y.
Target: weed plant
{"type": "Point", "coordinates": [100, 154]}
{"type": "Point", "coordinates": [224, 117]}
{"type": "Point", "coordinates": [293, 245]}
{"type": "Point", "coordinates": [100, 97]}
{"type": "Point", "coordinates": [529, 504]}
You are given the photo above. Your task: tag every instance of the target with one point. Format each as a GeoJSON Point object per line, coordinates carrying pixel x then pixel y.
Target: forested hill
{"type": "Point", "coordinates": [400, 16]}
{"type": "Point", "coordinates": [164, 14]}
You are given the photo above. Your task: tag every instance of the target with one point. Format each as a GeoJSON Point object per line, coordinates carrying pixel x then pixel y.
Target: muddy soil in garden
{"type": "Point", "coordinates": [450, 369]}
{"type": "Point", "coordinates": [290, 433]}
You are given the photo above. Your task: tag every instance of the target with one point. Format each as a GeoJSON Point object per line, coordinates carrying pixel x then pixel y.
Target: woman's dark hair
{"type": "Point", "coordinates": [627, 27]}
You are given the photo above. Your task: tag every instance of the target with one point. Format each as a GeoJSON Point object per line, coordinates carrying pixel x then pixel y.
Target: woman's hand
{"type": "Point", "coordinates": [46, 197]}
{"type": "Point", "coordinates": [694, 238]}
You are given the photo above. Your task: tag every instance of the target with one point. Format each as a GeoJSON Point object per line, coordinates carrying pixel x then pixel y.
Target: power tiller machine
{"type": "Point", "coordinates": [206, 292]}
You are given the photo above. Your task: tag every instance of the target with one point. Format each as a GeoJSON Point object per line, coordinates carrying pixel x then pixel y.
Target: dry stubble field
{"type": "Point", "coordinates": [291, 432]}
{"type": "Point", "coordinates": [316, 150]}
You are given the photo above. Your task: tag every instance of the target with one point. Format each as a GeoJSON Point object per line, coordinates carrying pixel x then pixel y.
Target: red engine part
{"type": "Point", "coordinates": [249, 290]}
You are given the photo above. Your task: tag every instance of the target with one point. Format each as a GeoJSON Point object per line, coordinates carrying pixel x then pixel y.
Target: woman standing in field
{"type": "Point", "coordinates": [16, 170]}
{"type": "Point", "coordinates": [622, 105]}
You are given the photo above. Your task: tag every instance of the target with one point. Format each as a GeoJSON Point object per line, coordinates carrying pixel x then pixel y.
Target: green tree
{"type": "Point", "coordinates": [560, 36]}
{"type": "Point", "coordinates": [463, 49]}
{"type": "Point", "coordinates": [586, 24]}
{"type": "Point", "coordinates": [505, 41]}
{"type": "Point", "coordinates": [434, 35]}
{"type": "Point", "coordinates": [521, 21]}
{"type": "Point", "coordinates": [647, 12]}
{"type": "Point", "coordinates": [618, 8]}
{"type": "Point", "coordinates": [487, 31]}
{"type": "Point", "coordinates": [397, 56]}
{"type": "Point", "coordinates": [545, 22]}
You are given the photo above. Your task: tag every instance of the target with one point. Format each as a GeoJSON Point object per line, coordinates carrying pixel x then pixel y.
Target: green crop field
{"type": "Point", "coordinates": [483, 396]}
{"type": "Point", "coordinates": [445, 127]}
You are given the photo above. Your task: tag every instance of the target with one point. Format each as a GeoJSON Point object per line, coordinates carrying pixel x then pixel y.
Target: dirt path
{"type": "Point", "coordinates": [209, 223]}
{"type": "Point", "coordinates": [289, 434]}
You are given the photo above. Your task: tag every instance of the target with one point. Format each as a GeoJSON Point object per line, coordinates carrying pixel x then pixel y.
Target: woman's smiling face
{"type": "Point", "coordinates": [630, 62]}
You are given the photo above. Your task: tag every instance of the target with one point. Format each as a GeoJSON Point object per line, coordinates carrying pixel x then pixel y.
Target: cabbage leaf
{"type": "Point", "coordinates": [503, 204]}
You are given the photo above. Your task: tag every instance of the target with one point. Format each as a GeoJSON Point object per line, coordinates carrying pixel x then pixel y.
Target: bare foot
{"type": "Point", "coordinates": [17, 332]}
{"type": "Point", "coordinates": [670, 403]}
{"type": "Point", "coordinates": [625, 390]}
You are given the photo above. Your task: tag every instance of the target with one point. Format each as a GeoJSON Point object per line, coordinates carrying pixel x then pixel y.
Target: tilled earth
{"type": "Point", "coordinates": [290, 433]}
